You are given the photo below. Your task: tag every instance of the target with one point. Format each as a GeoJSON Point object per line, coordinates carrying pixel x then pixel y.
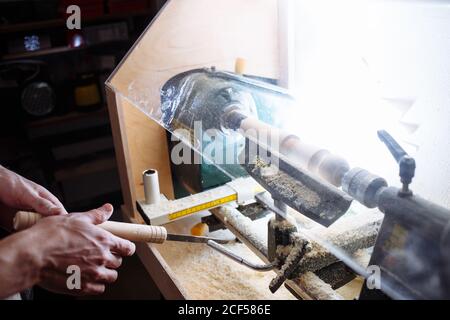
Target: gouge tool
{"type": "Point", "coordinates": [130, 231]}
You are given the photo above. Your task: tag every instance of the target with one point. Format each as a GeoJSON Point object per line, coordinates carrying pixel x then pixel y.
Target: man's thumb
{"type": "Point", "coordinates": [99, 215]}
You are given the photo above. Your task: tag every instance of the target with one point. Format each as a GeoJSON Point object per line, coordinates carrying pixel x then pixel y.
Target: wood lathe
{"type": "Point", "coordinates": [316, 225]}
{"type": "Point", "coordinates": [306, 179]}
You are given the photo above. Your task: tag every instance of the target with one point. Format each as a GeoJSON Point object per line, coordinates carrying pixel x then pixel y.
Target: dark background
{"type": "Point", "coordinates": [54, 123]}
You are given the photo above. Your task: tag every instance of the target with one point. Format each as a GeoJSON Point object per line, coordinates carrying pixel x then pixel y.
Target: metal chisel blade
{"type": "Point", "coordinates": [195, 239]}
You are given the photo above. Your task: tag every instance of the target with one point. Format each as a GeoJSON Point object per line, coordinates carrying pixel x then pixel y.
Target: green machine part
{"type": "Point", "coordinates": [195, 100]}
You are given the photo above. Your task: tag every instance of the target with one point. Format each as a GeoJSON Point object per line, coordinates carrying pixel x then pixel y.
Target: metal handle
{"type": "Point", "coordinates": [407, 164]}
{"type": "Point", "coordinates": [230, 254]}
{"type": "Point", "coordinates": [396, 150]}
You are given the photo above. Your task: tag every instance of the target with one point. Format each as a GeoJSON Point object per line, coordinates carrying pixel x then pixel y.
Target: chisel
{"type": "Point", "coordinates": [130, 231]}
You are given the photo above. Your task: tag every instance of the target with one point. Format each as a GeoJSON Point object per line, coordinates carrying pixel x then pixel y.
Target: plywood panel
{"type": "Point", "coordinates": [187, 34]}
{"type": "Point", "coordinates": [139, 144]}
{"type": "Point", "coordinates": [199, 33]}
{"type": "Point", "coordinates": [147, 147]}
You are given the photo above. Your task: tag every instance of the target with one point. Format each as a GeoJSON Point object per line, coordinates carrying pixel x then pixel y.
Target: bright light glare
{"type": "Point", "coordinates": [339, 103]}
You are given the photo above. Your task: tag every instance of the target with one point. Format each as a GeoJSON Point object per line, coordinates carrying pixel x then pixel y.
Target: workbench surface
{"type": "Point", "coordinates": [206, 274]}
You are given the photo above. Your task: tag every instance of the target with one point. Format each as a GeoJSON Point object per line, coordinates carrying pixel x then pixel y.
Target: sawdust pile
{"type": "Point", "coordinates": [357, 229]}
{"type": "Point", "coordinates": [283, 184]}
{"type": "Point", "coordinates": [207, 274]}
{"type": "Point", "coordinates": [317, 288]}
{"type": "Point", "coordinates": [246, 226]}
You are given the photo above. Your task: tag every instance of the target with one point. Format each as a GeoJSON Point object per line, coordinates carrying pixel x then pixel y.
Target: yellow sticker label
{"type": "Point", "coordinates": [202, 207]}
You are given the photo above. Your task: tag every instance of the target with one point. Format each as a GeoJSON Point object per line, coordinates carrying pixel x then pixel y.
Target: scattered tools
{"type": "Point", "coordinates": [130, 231]}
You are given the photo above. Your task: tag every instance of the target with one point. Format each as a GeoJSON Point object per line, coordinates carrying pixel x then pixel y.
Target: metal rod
{"type": "Point", "coordinates": [262, 199]}
{"type": "Point", "coordinates": [230, 254]}
{"type": "Point", "coordinates": [196, 239]}
{"type": "Point", "coordinates": [282, 207]}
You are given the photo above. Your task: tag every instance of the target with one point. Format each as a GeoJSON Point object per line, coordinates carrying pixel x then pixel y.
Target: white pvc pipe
{"type": "Point", "coordinates": [151, 186]}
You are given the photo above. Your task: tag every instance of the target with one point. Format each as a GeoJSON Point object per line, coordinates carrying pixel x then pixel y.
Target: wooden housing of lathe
{"type": "Point", "coordinates": [186, 34]}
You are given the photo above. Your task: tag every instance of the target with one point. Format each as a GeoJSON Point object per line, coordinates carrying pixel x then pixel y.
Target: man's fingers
{"type": "Point", "coordinates": [123, 247]}
{"type": "Point", "coordinates": [114, 262]}
{"type": "Point", "coordinates": [57, 282]}
{"type": "Point", "coordinates": [91, 288]}
{"type": "Point", "coordinates": [107, 275]}
{"type": "Point", "coordinates": [41, 200]}
{"type": "Point", "coordinates": [44, 206]}
{"type": "Point", "coordinates": [100, 274]}
{"type": "Point", "coordinates": [59, 208]}
{"type": "Point", "coordinates": [96, 216]}
{"type": "Point", "coordinates": [57, 211]}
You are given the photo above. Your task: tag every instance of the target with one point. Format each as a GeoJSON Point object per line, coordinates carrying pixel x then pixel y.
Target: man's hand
{"type": "Point", "coordinates": [20, 193]}
{"type": "Point", "coordinates": [74, 239]}
{"type": "Point", "coordinates": [42, 254]}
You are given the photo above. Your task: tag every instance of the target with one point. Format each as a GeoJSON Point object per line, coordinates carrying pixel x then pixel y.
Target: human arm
{"type": "Point", "coordinates": [42, 254]}
{"type": "Point", "coordinates": [17, 192]}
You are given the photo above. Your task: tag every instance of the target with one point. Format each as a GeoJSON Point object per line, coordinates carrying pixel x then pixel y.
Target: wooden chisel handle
{"type": "Point", "coordinates": [129, 231]}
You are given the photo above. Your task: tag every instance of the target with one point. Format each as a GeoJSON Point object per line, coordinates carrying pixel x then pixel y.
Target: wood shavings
{"type": "Point", "coordinates": [284, 251]}
{"type": "Point", "coordinates": [207, 274]}
{"type": "Point", "coordinates": [362, 257]}
{"type": "Point", "coordinates": [245, 226]}
{"type": "Point", "coordinates": [280, 182]}
{"type": "Point", "coordinates": [316, 288]}
{"type": "Point", "coordinates": [350, 241]}
{"type": "Point", "coordinates": [287, 223]}
{"type": "Point", "coordinates": [356, 230]}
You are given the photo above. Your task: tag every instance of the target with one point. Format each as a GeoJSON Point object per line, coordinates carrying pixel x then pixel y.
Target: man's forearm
{"type": "Point", "coordinates": [18, 264]}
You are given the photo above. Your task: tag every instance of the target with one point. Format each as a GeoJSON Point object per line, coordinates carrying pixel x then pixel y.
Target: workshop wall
{"type": "Point", "coordinates": [362, 66]}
